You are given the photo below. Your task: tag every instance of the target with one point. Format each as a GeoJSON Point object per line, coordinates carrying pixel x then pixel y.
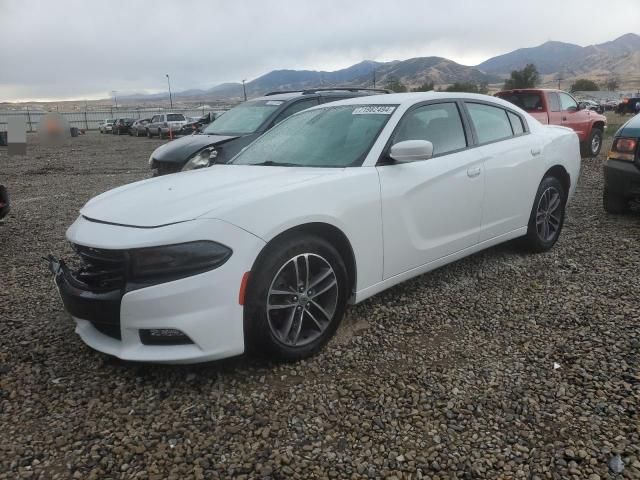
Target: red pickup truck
{"type": "Point", "coordinates": [555, 107]}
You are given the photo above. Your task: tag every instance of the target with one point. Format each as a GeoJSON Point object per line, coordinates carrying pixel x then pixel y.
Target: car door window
{"type": "Point", "coordinates": [491, 123]}
{"type": "Point", "coordinates": [567, 102]}
{"type": "Point", "coordinates": [295, 108]}
{"type": "Point", "coordinates": [516, 123]}
{"type": "Point", "coordinates": [438, 123]}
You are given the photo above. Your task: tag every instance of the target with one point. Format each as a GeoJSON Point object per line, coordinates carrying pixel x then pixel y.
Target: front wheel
{"type": "Point", "coordinates": [296, 297]}
{"type": "Point", "coordinates": [149, 133]}
{"type": "Point", "coordinates": [547, 216]}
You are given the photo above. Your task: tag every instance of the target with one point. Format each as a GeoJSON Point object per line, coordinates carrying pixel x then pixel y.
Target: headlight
{"type": "Point", "coordinates": [177, 261]}
{"type": "Point", "coordinates": [202, 159]}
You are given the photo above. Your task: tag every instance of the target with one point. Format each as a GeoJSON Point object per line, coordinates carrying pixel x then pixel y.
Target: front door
{"type": "Point", "coordinates": [431, 208]}
{"type": "Point", "coordinates": [572, 117]}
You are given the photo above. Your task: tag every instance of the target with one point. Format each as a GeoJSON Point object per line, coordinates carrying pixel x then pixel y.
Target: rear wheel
{"type": "Point", "coordinates": [149, 135]}
{"type": "Point", "coordinates": [160, 133]}
{"type": "Point", "coordinates": [296, 297]}
{"type": "Point", "coordinates": [547, 216]}
{"type": "Point", "coordinates": [614, 203]}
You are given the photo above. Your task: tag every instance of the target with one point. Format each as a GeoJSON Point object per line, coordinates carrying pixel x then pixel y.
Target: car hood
{"type": "Point", "coordinates": [181, 149]}
{"type": "Point", "coordinates": [180, 197]}
{"type": "Point", "coordinates": [630, 129]}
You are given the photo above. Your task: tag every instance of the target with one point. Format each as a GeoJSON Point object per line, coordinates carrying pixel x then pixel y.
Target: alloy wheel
{"type": "Point", "coordinates": [595, 144]}
{"type": "Point", "coordinates": [302, 299]}
{"type": "Point", "coordinates": [548, 214]}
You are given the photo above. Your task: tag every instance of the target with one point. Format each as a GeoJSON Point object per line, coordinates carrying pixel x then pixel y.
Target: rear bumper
{"type": "Point", "coordinates": [622, 178]}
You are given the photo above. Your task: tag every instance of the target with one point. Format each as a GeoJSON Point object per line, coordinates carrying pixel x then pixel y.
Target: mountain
{"type": "Point", "coordinates": [618, 57]}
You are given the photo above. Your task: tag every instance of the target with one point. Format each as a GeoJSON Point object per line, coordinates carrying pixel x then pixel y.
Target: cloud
{"type": "Point", "coordinates": [78, 49]}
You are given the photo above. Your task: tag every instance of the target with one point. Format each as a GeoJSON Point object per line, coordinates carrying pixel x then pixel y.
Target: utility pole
{"type": "Point", "coordinates": [244, 90]}
{"type": "Point", "coordinates": [374, 78]}
{"type": "Point", "coordinates": [170, 99]}
{"type": "Point", "coordinates": [115, 98]}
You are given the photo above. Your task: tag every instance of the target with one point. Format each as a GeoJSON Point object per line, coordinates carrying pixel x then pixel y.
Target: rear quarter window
{"type": "Point", "coordinates": [491, 123]}
{"type": "Point", "coordinates": [529, 102]}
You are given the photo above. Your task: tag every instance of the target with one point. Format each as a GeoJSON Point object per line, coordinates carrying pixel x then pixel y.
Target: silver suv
{"type": "Point", "coordinates": [164, 123]}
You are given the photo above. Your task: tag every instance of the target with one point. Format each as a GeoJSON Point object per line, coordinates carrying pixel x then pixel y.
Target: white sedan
{"type": "Point", "coordinates": [330, 207]}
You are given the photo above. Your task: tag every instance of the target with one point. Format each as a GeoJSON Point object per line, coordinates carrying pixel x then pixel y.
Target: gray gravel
{"type": "Point", "coordinates": [450, 375]}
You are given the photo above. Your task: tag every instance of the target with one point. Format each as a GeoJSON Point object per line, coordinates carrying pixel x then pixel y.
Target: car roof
{"type": "Point", "coordinates": [318, 93]}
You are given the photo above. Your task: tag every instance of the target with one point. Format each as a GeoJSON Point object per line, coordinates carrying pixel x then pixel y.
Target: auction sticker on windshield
{"type": "Point", "coordinates": [375, 109]}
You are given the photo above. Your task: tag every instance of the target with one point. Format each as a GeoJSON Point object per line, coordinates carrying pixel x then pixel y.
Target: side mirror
{"type": "Point", "coordinates": [411, 151]}
{"type": "Point", "coordinates": [581, 106]}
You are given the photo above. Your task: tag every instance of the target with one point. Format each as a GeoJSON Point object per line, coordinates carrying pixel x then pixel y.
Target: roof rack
{"type": "Point", "coordinates": [310, 91]}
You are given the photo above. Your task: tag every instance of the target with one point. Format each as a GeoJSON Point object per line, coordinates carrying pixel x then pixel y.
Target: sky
{"type": "Point", "coordinates": [63, 49]}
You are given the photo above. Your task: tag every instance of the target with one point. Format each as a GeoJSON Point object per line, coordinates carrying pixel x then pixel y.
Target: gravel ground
{"type": "Point", "coordinates": [450, 375]}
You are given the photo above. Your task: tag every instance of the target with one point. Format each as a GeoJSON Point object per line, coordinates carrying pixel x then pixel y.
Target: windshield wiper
{"type": "Point", "coordinates": [271, 163]}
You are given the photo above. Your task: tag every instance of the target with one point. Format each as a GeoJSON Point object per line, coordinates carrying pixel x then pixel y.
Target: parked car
{"type": "Point", "coordinates": [106, 126]}
{"type": "Point", "coordinates": [628, 106]}
{"type": "Point", "coordinates": [195, 125]}
{"type": "Point", "coordinates": [5, 203]}
{"type": "Point", "coordinates": [622, 168]}
{"type": "Point", "coordinates": [592, 105]}
{"type": "Point", "coordinates": [555, 107]}
{"type": "Point", "coordinates": [139, 127]}
{"type": "Point", "coordinates": [165, 124]}
{"type": "Point", "coordinates": [331, 206]}
{"type": "Point", "coordinates": [238, 127]}
{"type": "Point", "coordinates": [122, 125]}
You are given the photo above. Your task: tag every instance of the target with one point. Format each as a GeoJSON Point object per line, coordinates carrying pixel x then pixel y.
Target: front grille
{"type": "Point", "coordinates": [100, 270]}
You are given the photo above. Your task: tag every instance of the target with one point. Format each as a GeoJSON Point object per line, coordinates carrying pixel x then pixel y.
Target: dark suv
{"type": "Point", "coordinates": [122, 125]}
{"type": "Point", "coordinates": [231, 132]}
{"type": "Point", "coordinates": [622, 168]}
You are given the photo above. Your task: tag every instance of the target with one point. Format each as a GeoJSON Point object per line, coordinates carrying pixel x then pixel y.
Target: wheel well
{"type": "Point", "coordinates": [599, 125]}
{"type": "Point", "coordinates": [335, 237]}
{"type": "Point", "coordinates": [561, 174]}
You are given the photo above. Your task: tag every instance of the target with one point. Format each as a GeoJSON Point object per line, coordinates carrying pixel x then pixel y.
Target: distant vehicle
{"type": "Point", "coordinates": [628, 106]}
{"type": "Point", "coordinates": [622, 168]}
{"type": "Point", "coordinates": [555, 107]}
{"type": "Point", "coordinates": [165, 123]}
{"type": "Point", "coordinates": [238, 127]}
{"type": "Point", "coordinates": [611, 104]}
{"type": "Point", "coordinates": [106, 126]}
{"type": "Point", "coordinates": [122, 125]}
{"type": "Point", "coordinates": [139, 127]}
{"type": "Point", "coordinates": [593, 106]}
{"type": "Point", "coordinates": [5, 203]}
{"type": "Point", "coordinates": [335, 204]}
{"type": "Point", "coordinates": [195, 125]}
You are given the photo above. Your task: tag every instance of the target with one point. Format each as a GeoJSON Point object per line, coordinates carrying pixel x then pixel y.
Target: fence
{"type": "Point", "coordinates": [91, 120]}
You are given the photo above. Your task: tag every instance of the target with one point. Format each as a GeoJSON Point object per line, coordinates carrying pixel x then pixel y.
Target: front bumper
{"type": "Point", "coordinates": [622, 178]}
{"type": "Point", "coordinates": [204, 307]}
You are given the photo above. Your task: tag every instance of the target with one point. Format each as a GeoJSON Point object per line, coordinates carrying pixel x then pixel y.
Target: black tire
{"type": "Point", "coordinates": [149, 134]}
{"type": "Point", "coordinates": [614, 203]}
{"type": "Point", "coordinates": [593, 145]}
{"type": "Point", "coordinates": [5, 202]}
{"type": "Point", "coordinates": [535, 240]}
{"type": "Point", "coordinates": [260, 336]}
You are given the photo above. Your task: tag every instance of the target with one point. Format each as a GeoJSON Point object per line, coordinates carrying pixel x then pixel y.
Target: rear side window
{"type": "Point", "coordinates": [554, 102]}
{"type": "Point", "coordinates": [516, 123]}
{"type": "Point", "coordinates": [528, 101]}
{"type": "Point", "coordinates": [175, 117]}
{"type": "Point", "coordinates": [491, 123]}
{"type": "Point", "coordinates": [438, 123]}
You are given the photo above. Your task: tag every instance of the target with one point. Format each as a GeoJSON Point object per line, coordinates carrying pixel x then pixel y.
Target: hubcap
{"type": "Point", "coordinates": [548, 214]}
{"type": "Point", "coordinates": [595, 143]}
{"type": "Point", "coordinates": [302, 299]}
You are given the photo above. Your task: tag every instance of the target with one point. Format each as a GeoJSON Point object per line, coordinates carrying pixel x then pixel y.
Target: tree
{"type": "Point", "coordinates": [425, 87]}
{"type": "Point", "coordinates": [467, 87]}
{"type": "Point", "coordinates": [584, 85]}
{"type": "Point", "coordinates": [528, 77]}
{"type": "Point", "coordinates": [612, 84]}
{"type": "Point", "coordinates": [395, 85]}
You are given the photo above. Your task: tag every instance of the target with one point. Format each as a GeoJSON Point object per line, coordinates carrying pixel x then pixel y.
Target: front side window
{"type": "Point", "coordinates": [339, 136]}
{"type": "Point", "coordinates": [567, 102]}
{"type": "Point", "coordinates": [243, 119]}
{"type": "Point", "coordinates": [438, 123]}
{"type": "Point", "coordinates": [491, 123]}
{"type": "Point", "coordinates": [295, 108]}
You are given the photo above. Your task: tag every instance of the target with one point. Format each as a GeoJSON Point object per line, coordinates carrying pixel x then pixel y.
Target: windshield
{"type": "Point", "coordinates": [528, 101]}
{"type": "Point", "coordinates": [243, 119]}
{"type": "Point", "coordinates": [339, 136]}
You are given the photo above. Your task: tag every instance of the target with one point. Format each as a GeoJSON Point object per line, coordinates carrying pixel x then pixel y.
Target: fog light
{"type": "Point", "coordinates": [164, 336]}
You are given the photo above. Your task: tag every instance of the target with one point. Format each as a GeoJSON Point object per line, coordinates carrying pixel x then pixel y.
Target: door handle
{"type": "Point", "coordinates": [473, 172]}
{"type": "Point", "coordinates": [536, 151]}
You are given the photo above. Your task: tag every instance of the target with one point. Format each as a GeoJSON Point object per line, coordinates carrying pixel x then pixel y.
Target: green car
{"type": "Point", "coordinates": [622, 168]}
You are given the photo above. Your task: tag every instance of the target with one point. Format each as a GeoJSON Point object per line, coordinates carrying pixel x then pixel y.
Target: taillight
{"type": "Point", "coordinates": [623, 149]}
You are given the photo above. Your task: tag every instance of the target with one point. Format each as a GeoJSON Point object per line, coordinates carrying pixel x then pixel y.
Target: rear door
{"type": "Point", "coordinates": [431, 208]}
{"type": "Point", "coordinates": [511, 163]}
